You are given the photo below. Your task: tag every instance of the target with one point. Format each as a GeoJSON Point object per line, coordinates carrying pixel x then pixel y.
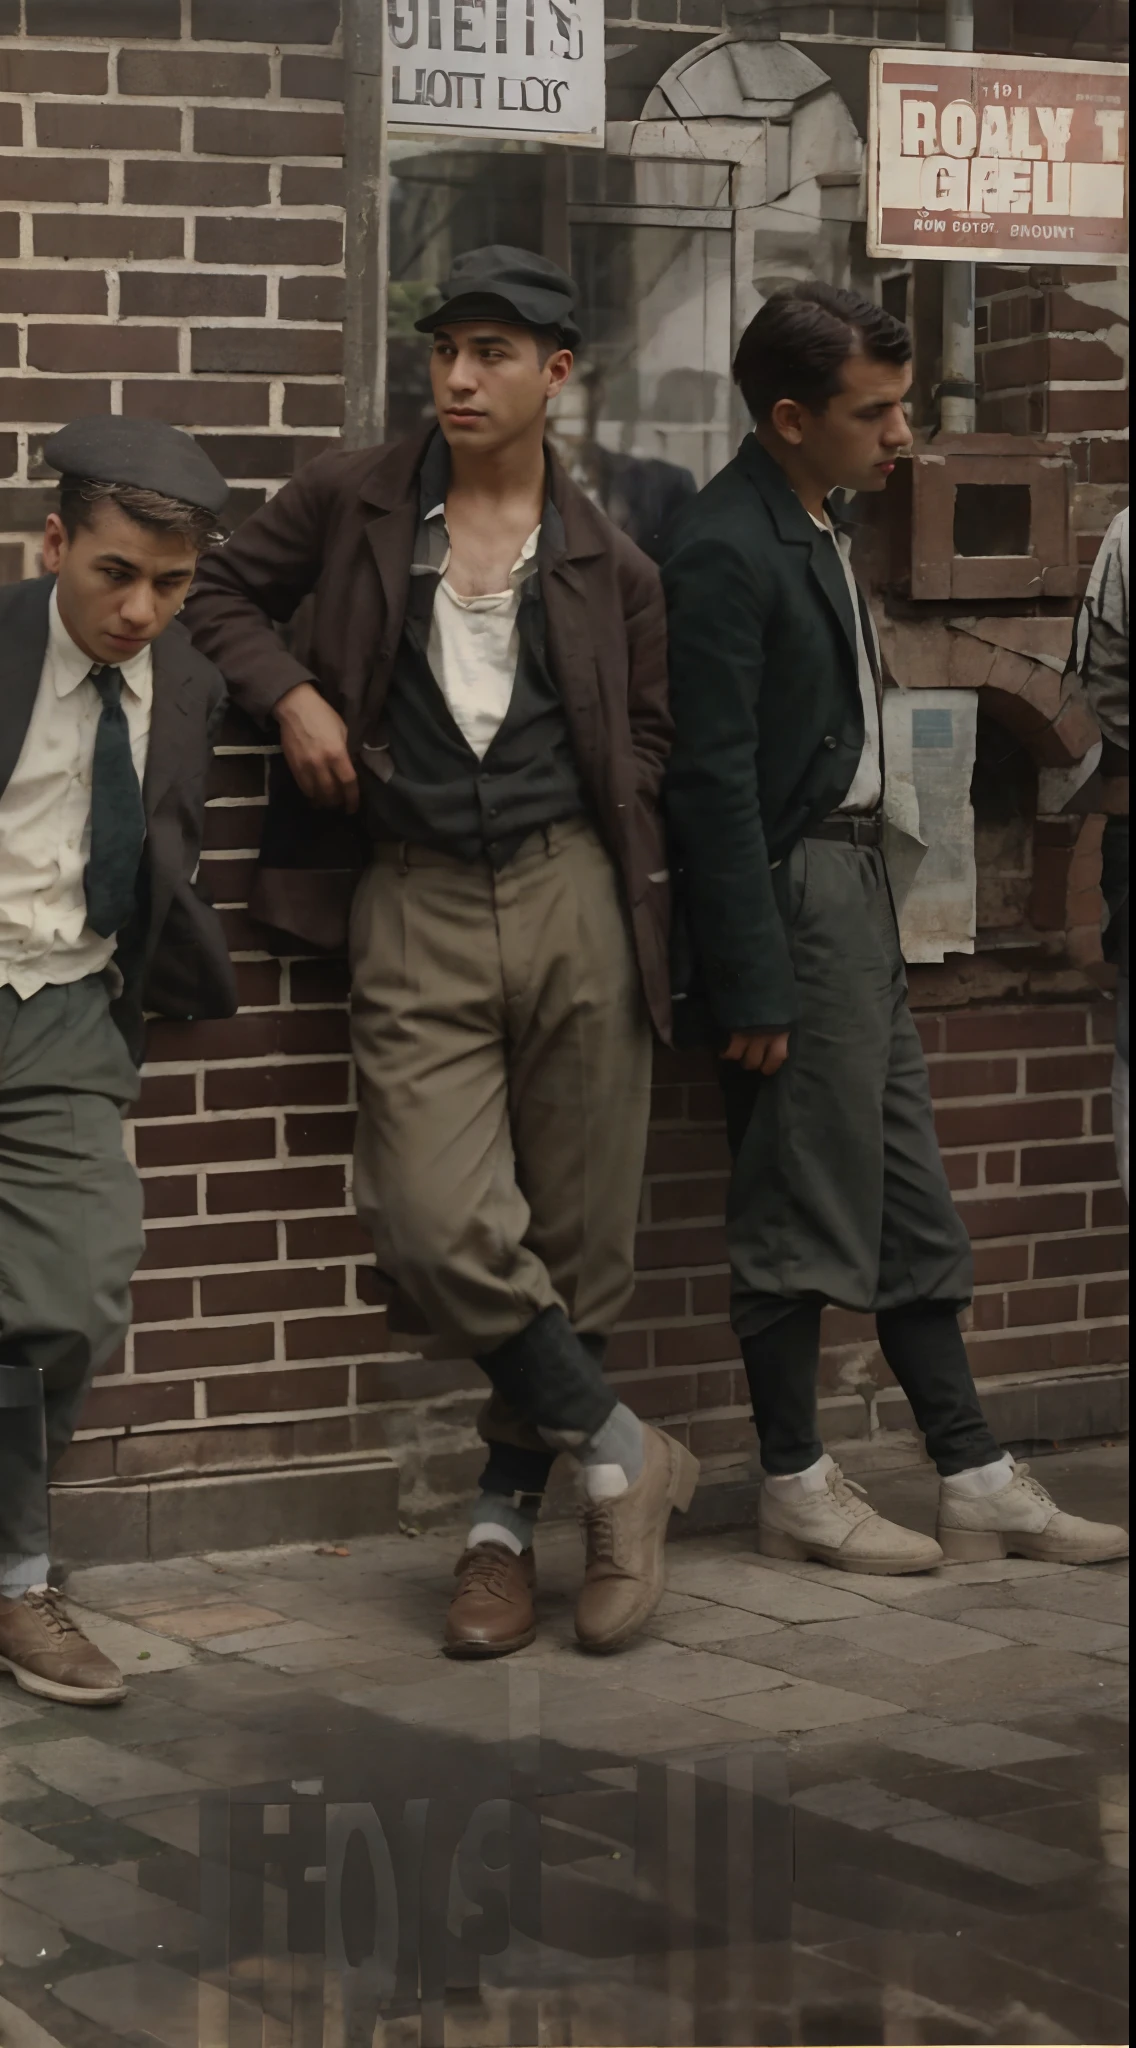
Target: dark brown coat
{"type": "Point", "coordinates": [173, 956]}
{"type": "Point", "coordinates": [343, 533]}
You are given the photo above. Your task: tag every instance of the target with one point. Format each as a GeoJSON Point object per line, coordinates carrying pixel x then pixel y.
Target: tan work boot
{"type": "Point", "coordinates": [48, 1654]}
{"type": "Point", "coordinates": [623, 1571]}
{"type": "Point", "coordinates": [492, 1611]}
{"type": "Point", "coordinates": [838, 1525]}
{"type": "Point", "coordinates": [1021, 1520]}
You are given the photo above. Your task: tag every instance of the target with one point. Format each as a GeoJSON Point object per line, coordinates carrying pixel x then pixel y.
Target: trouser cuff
{"type": "Point", "coordinates": [549, 1378]}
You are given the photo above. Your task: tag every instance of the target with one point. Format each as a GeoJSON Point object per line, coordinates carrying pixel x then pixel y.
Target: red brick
{"type": "Point", "coordinates": [130, 1405]}
{"type": "Point", "coordinates": [65, 126]}
{"type": "Point", "coordinates": [234, 775]}
{"type": "Point", "coordinates": [1080, 412]}
{"type": "Point", "coordinates": [246, 1038]}
{"type": "Point", "coordinates": [319, 981]}
{"type": "Point", "coordinates": [311, 298]}
{"type": "Point", "coordinates": [269, 241]}
{"type": "Point", "coordinates": [258, 983]}
{"type": "Point", "coordinates": [1070, 315]}
{"type": "Point", "coordinates": [273, 350]}
{"type": "Point", "coordinates": [245, 131]}
{"type": "Point", "coordinates": [1106, 1298]}
{"type": "Point", "coordinates": [132, 236]}
{"type": "Point", "coordinates": [1108, 1344]}
{"type": "Point", "coordinates": [64, 178]}
{"type": "Point", "coordinates": [288, 1287]}
{"type": "Point", "coordinates": [309, 1135]}
{"type": "Point", "coordinates": [52, 291]}
{"type": "Point", "coordinates": [192, 74]}
{"type": "Point", "coordinates": [414, 1379]}
{"type": "Point", "coordinates": [973, 1077]}
{"type": "Point", "coordinates": [166, 1095]}
{"type": "Point", "coordinates": [1109, 461]}
{"type": "Point", "coordinates": [235, 827]}
{"type": "Point", "coordinates": [301, 1081]}
{"type": "Point", "coordinates": [198, 1143]}
{"type": "Point", "coordinates": [311, 78]}
{"type": "Point", "coordinates": [710, 1294]}
{"type": "Point", "coordinates": [63, 71]}
{"type": "Point", "coordinates": [372, 1287]}
{"type": "Point", "coordinates": [697, 1344]}
{"type": "Point", "coordinates": [1076, 359]}
{"type": "Point", "coordinates": [178, 294]}
{"type": "Point", "coordinates": [358, 1336]}
{"type": "Point", "coordinates": [988, 1312]}
{"type": "Point", "coordinates": [656, 1301]}
{"type": "Point", "coordinates": [1109, 1209]}
{"type": "Point", "coordinates": [656, 1248]}
{"type": "Point", "coordinates": [259, 21]}
{"type": "Point", "coordinates": [681, 1201]}
{"type": "Point", "coordinates": [174, 1195]}
{"type": "Point", "coordinates": [999, 1168]}
{"type": "Point", "coordinates": [996, 1262]}
{"type": "Point", "coordinates": [102, 348]}
{"type": "Point", "coordinates": [1029, 1351]}
{"type": "Point", "coordinates": [687, 1152]}
{"type": "Point", "coordinates": [267, 1393]}
{"type": "Point", "coordinates": [1100, 1117]}
{"type": "Point", "coordinates": [1017, 364]}
{"type": "Point", "coordinates": [85, 1460]}
{"type": "Point", "coordinates": [659, 1394]}
{"type": "Point", "coordinates": [961, 1169]}
{"type": "Point", "coordinates": [312, 185]}
{"type": "Point", "coordinates": [132, 18]}
{"type": "Point", "coordinates": [9, 234]}
{"type": "Point", "coordinates": [196, 403]}
{"type": "Point", "coordinates": [719, 1435]}
{"type": "Point", "coordinates": [846, 1326]}
{"type": "Point", "coordinates": [1102, 1023]}
{"type": "Point", "coordinates": [628, 1351]}
{"type": "Point", "coordinates": [1007, 1030]}
{"type": "Point", "coordinates": [1062, 1073]}
{"type": "Point", "coordinates": [1038, 1305]}
{"type": "Point", "coordinates": [313, 405]}
{"type": "Point", "coordinates": [197, 1350]}
{"type": "Point", "coordinates": [162, 1301]}
{"type": "Point", "coordinates": [281, 1189]}
{"type": "Point", "coordinates": [209, 1244]}
{"type": "Point", "coordinates": [327, 1237]}
{"type": "Point", "coordinates": [1095, 1252]}
{"type": "Point", "coordinates": [1054, 1165]}
{"type": "Point", "coordinates": [1014, 1216]}
{"type": "Point", "coordinates": [173, 182]}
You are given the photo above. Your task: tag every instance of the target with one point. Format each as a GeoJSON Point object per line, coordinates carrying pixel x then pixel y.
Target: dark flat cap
{"type": "Point", "coordinates": [148, 453]}
{"type": "Point", "coordinates": [512, 285]}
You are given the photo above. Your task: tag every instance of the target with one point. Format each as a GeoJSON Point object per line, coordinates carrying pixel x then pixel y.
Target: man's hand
{"type": "Point", "coordinates": [763, 1052]}
{"type": "Point", "coordinates": [314, 739]}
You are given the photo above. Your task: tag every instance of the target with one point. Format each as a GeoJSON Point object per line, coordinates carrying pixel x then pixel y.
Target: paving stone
{"type": "Point", "coordinates": [104, 1909]}
{"type": "Point", "coordinates": [268, 1638]}
{"type": "Point", "coordinates": [178, 1825]}
{"type": "Point", "coordinates": [137, 1651]}
{"type": "Point", "coordinates": [16, 1708]}
{"type": "Point", "coordinates": [1097, 1595]}
{"type": "Point", "coordinates": [1053, 1629]}
{"type": "Point", "coordinates": [16, 1784]}
{"type": "Point", "coordinates": [803, 1705]}
{"type": "Point", "coordinates": [707, 1625]}
{"type": "Point", "coordinates": [975, 1745]}
{"type": "Point", "coordinates": [780, 1595]}
{"type": "Point", "coordinates": [985, 1848]}
{"type": "Point", "coordinates": [149, 2002]}
{"type": "Point", "coordinates": [98, 1773]}
{"type": "Point", "coordinates": [913, 1638]}
{"type": "Point", "coordinates": [860, 1804]}
{"type": "Point", "coordinates": [28, 1938]}
{"type": "Point", "coordinates": [20, 1850]}
{"type": "Point", "coordinates": [211, 1618]}
{"type": "Point", "coordinates": [702, 1676]}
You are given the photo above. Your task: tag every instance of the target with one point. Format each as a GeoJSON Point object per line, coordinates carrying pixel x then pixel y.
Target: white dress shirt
{"type": "Point", "coordinates": [45, 817]}
{"type": "Point", "coordinates": [473, 650]}
{"type": "Point", "coordinates": [867, 784]}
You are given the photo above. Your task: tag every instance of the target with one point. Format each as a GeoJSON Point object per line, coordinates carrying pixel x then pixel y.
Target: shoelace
{"type": "Point", "coordinates": [1033, 1486]}
{"type": "Point", "coordinates": [599, 1532]}
{"type": "Point", "coordinates": [485, 1569]}
{"type": "Point", "coordinates": [48, 1604]}
{"type": "Point", "coordinates": [848, 1495]}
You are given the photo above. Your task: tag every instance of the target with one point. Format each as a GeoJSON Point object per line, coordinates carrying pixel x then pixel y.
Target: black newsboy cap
{"type": "Point", "coordinates": [512, 285]}
{"type": "Point", "coordinates": [109, 450]}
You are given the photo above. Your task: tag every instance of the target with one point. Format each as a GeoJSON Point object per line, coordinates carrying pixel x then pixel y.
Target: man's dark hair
{"type": "Point", "coordinates": [79, 495]}
{"type": "Point", "coordinates": [800, 341]}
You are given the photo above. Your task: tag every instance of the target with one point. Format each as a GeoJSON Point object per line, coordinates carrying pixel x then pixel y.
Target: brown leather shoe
{"type": "Point", "coordinates": [492, 1611]}
{"type": "Point", "coordinates": [624, 1573]}
{"type": "Point", "coordinates": [48, 1654]}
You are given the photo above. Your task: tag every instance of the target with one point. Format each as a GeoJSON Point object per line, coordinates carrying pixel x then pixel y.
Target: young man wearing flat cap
{"type": "Point", "coordinates": [105, 716]}
{"type": "Point", "coordinates": [485, 690]}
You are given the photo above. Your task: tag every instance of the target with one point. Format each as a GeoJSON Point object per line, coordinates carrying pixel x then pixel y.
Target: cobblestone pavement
{"type": "Point", "coordinates": [805, 1807]}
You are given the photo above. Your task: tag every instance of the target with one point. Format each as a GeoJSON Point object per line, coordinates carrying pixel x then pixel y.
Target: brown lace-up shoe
{"type": "Point", "coordinates": [492, 1611]}
{"type": "Point", "coordinates": [48, 1654]}
{"type": "Point", "coordinates": [623, 1572]}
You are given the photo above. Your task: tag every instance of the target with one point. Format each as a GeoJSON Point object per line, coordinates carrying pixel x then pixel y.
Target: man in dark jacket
{"type": "Point", "coordinates": [105, 718]}
{"type": "Point", "coordinates": [485, 689]}
{"type": "Point", "coordinates": [789, 959]}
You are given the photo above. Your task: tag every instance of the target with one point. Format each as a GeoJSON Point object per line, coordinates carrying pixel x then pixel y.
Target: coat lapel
{"type": "Point", "coordinates": [796, 528]}
{"type": "Point", "coordinates": [25, 632]}
{"type": "Point", "coordinates": [165, 764]}
{"type": "Point", "coordinates": [572, 538]}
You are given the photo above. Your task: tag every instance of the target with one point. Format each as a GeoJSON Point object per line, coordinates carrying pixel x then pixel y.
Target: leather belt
{"type": "Point", "coordinates": [850, 831]}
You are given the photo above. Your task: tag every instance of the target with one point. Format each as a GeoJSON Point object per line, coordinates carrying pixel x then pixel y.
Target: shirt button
{"type": "Point", "coordinates": [830, 739]}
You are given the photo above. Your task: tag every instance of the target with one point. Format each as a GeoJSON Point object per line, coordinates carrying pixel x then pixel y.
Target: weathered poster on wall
{"type": "Point", "coordinates": [500, 67]}
{"type": "Point", "coordinates": [1014, 158]}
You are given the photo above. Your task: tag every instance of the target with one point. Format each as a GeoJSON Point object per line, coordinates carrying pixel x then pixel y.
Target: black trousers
{"type": "Point", "coordinates": [838, 1192]}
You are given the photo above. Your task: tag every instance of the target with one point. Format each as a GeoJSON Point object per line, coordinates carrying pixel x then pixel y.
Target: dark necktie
{"type": "Point", "coordinates": [118, 821]}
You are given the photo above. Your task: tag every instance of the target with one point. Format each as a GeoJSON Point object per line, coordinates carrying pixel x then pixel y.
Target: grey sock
{"type": "Point", "coordinates": [618, 1442]}
{"type": "Point", "coordinates": [516, 1512]}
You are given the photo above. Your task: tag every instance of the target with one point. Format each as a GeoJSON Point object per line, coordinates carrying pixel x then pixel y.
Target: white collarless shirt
{"type": "Point", "coordinates": [473, 650]}
{"type": "Point", "coordinates": [867, 784]}
{"type": "Point", "coordinates": [45, 817]}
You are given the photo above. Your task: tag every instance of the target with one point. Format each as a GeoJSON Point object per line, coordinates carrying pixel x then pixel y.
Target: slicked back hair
{"type": "Point", "coordinates": [798, 344]}
{"type": "Point", "coordinates": [79, 496]}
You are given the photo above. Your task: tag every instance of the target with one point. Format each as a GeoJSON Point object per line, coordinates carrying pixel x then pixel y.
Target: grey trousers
{"type": "Point", "coordinates": [838, 1189]}
{"type": "Point", "coordinates": [70, 1238]}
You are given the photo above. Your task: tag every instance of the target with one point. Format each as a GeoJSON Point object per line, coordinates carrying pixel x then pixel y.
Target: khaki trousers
{"type": "Point", "coordinates": [504, 1060]}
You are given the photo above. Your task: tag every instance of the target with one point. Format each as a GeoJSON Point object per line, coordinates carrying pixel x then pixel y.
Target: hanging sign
{"type": "Point", "coordinates": [501, 67]}
{"type": "Point", "coordinates": [1015, 158]}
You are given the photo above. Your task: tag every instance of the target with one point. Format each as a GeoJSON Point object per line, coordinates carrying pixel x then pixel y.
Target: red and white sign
{"type": "Point", "coordinates": [1009, 157]}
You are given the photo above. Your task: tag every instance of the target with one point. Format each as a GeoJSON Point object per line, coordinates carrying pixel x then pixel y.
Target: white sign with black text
{"type": "Point", "coordinates": [501, 67]}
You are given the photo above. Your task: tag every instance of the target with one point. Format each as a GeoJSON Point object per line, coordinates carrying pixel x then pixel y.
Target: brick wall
{"type": "Point", "coordinates": [170, 245]}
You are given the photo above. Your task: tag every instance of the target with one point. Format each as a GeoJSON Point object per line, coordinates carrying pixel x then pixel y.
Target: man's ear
{"type": "Point", "coordinates": [785, 420]}
{"type": "Point", "coordinates": [54, 543]}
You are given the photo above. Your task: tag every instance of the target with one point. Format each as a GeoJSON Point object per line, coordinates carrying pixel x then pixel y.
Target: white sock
{"type": "Point", "coordinates": [813, 1479]}
{"type": "Point", "coordinates": [603, 1482]}
{"type": "Point", "coordinates": [492, 1532]}
{"type": "Point", "coordinates": [981, 1480]}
